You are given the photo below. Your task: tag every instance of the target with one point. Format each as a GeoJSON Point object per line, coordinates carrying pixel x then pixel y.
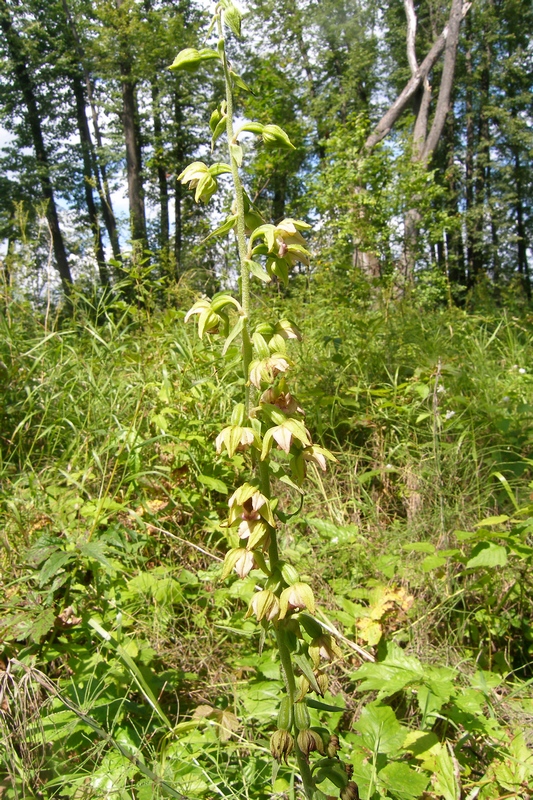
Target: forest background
{"type": "Point", "coordinates": [127, 668]}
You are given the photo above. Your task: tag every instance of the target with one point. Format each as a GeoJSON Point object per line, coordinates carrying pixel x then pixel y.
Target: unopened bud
{"type": "Point", "coordinates": [350, 792]}
{"type": "Point", "coordinates": [323, 682]}
{"type": "Point", "coordinates": [281, 745]}
{"type": "Point", "coordinates": [309, 741]}
{"type": "Point", "coordinates": [265, 605]}
{"type": "Point", "coordinates": [333, 746]}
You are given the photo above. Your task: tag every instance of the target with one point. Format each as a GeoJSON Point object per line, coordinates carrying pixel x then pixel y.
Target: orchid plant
{"type": "Point", "coordinates": [268, 426]}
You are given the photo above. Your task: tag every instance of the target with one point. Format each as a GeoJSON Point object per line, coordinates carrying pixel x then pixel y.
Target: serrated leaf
{"type": "Point", "coordinates": [444, 781]}
{"type": "Point", "coordinates": [56, 561]}
{"type": "Point", "coordinates": [41, 625]}
{"type": "Point", "coordinates": [96, 552]}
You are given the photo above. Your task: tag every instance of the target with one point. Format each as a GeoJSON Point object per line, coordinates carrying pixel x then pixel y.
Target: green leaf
{"type": "Point", "coordinates": [320, 706]}
{"type": "Point", "coordinates": [307, 669]}
{"type": "Point", "coordinates": [134, 670]}
{"type": "Point", "coordinates": [433, 562]}
{"type": "Point", "coordinates": [487, 554]}
{"type": "Point", "coordinates": [444, 780]}
{"type": "Point", "coordinates": [419, 547]}
{"type": "Point", "coordinates": [214, 484]}
{"type": "Point", "coordinates": [492, 521]}
{"type": "Point", "coordinates": [191, 59]}
{"type": "Point", "coordinates": [402, 781]}
{"type": "Point", "coordinates": [237, 154]}
{"type": "Point", "coordinates": [223, 229]}
{"type": "Point", "coordinates": [237, 328]}
{"type": "Point", "coordinates": [381, 731]}
{"type": "Point", "coordinates": [52, 566]}
{"type": "Point", "coordinates": [41, 625]}
{"type": "Point", "coordinates": [238, 81]}
{"type": "Point", "coordinates": [96, 552]}
{"type": "Point", "coordinates": [257, 270]}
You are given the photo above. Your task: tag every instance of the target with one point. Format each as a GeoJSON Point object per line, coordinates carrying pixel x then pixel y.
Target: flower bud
{"type": "Point", "coordinates": [350, 792]}
{"type": "Point", "coordinates": [281, 745]}
{"type": "Point", "coordinates": [299, 595]}
{"type": "Point", "coordinates": [324, 647]}
{"type": "Point", "coordinates": [323, 682]}
{"type": "Point", "coordinates": [333, 745]}
{"type": "Point", "coordinates": [265, 605]}
{"type": "Point", "coordinates": [309, 741]}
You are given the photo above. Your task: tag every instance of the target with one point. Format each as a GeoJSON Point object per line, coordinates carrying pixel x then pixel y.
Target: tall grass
{"type": "Point", "coordinates": [106, 460]}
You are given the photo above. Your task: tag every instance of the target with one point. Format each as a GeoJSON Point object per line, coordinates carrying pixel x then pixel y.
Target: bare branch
{"type": "Point", "coordinates": [420, 75]}
{"type": "Point", "coordinates": [445, 90]}
{"type": "Point", "coordinates": [411, 34]}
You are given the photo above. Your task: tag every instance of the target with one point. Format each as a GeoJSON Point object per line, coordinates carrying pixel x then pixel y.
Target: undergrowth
{"type": "Point", "coordinates": [129, 670]}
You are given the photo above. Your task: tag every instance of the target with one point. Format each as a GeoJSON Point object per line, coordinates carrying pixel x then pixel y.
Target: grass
{"type": "Point", "coordinates": [111, 499]}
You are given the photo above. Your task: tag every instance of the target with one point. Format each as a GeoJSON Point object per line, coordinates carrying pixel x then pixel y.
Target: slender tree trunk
{"type": "Point", "coordinates": [164, 234]}
{"type": "Point", "coordinates": [132, 140]}
{"type": "Point", "coordinates": [521, 235]}
{"type": "Point", "coordinates": [100, 176]}
{"type": "Point", "coordinates": [85, 139]}
{"type": "Point", "coordinates": [133, 162]}
{"type": "Point", "coordinates": [179, 154]}
{"type": "Point", "coordinates": [469, 163]}
{"type": "Point", "coordinates": [23, 78]}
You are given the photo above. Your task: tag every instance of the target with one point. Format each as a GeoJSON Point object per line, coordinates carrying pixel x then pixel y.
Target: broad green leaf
{"type": "Point", "coordinates": [381, 732]}
{"type": "Point", "coordinates": [402, 781]}
{"type": "Point", "coordinates": [257, 270]}
{"type": "Point", "coordinates": [492, 521]}
{"type": "Point", "coordinates": [214, 484]}
{"type": "Point", "coordinates": [433, 562]}
{"type": "Point", "coordinates": [487, 554]}
{"type": "Point", "coordinates": [419, 547]}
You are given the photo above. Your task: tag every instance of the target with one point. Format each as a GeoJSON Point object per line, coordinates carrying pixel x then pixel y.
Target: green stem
{"type": "Point", "coordinates": [290, 685]}
{"type": "Point", "coordinates": [241, 224]}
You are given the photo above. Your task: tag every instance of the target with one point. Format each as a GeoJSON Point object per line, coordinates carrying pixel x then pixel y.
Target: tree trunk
{"type": "Point", "coordinates": [164, 232]}
{"type": "Point", "coordinates": [418, 89]}
{"type": "Point", "coordinates": [85, 139]}
{"type": "Point", "coordinates": [131, 129]}
{"type": "Point", "coordinates": [23, 78]}
{"type": "Point", "coordinates": [102, 183]}
{"type": "Point", "coordinates": [132, 140]}
{"type": "Point", "coordinates": [179, 154]}
{"type": "Point", "coordinates": [521, 235]}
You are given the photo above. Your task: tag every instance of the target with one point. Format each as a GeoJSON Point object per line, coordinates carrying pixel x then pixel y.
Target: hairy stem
{"type": "Point", "coordinates": [290, 685]}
